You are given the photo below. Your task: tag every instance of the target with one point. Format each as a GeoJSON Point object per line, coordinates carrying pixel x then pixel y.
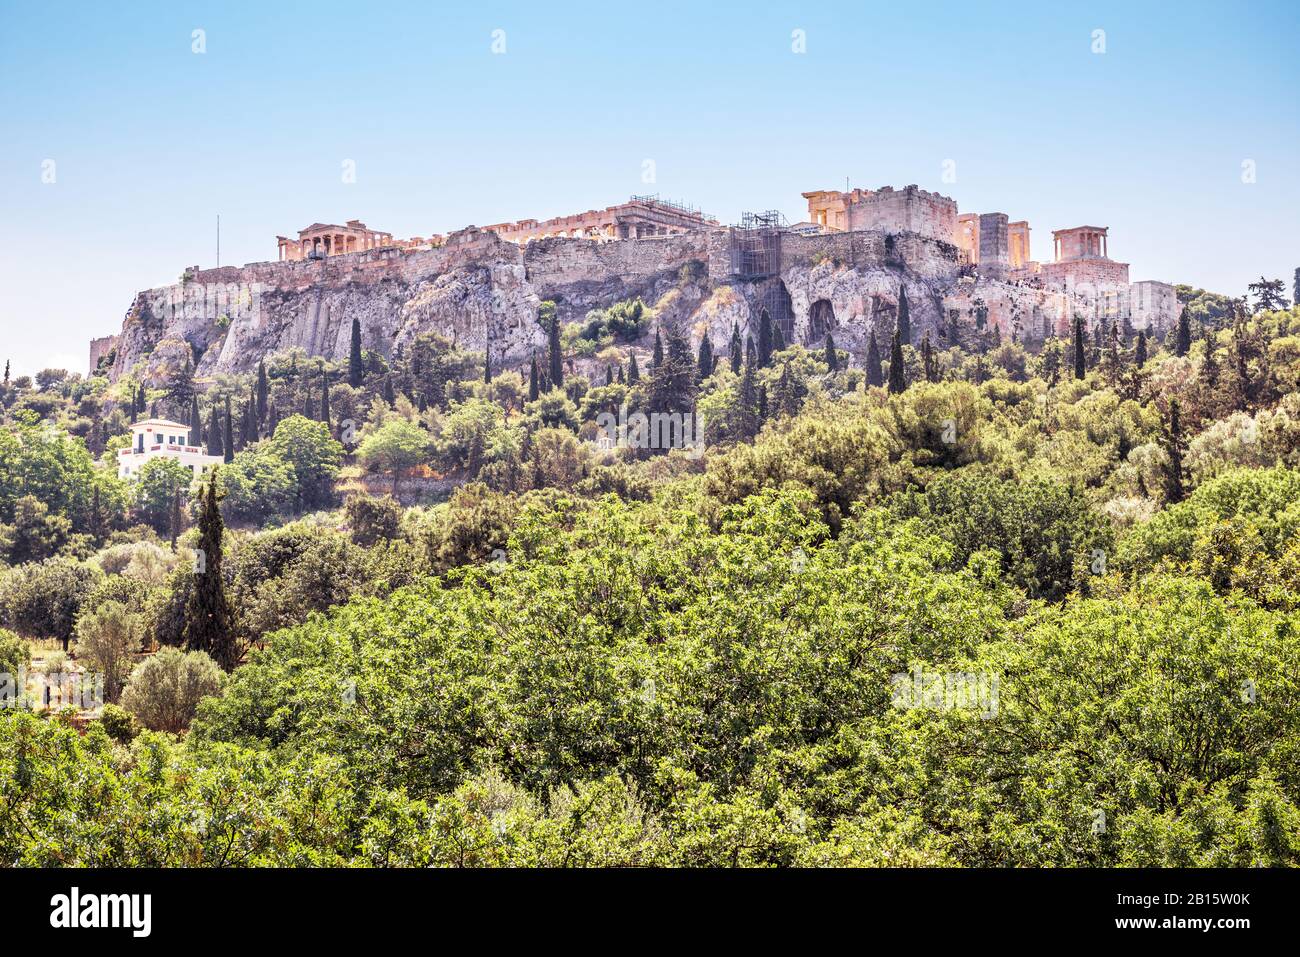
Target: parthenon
{"type": "Point", "coordinates": [641, 217]}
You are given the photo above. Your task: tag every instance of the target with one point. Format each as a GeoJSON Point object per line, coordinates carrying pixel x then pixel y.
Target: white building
{"type": "Point", "coordinates": [162, 438]}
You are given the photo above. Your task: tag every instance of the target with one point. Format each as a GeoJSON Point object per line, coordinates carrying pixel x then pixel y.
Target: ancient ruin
{"type": "Point", "coordinates": [641, 217]}
{"type": "Point", "coordinates": [840, 271]}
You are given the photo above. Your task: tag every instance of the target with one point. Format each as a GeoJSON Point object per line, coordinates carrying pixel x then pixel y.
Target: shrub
{"type": "Point", "coordinates": [119, 723]}
{"type": "Point", "coordinates": [15, 653]}
{"type": "Point", "coordinates": [165, 690]}
{"type": "Point", "coordinates": [108, 637]}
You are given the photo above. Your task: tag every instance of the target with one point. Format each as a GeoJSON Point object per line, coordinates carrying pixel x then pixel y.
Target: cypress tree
{"type": "Point", "coordinates": [229, 439]}
{"type": "Point", "coordinates": [325, 400]}
{"type": "Point", "coordinates": [556, 359]}
{"type": "Point", "coordinates": [658, 359]}
{"type": "Point", "coordinates": [356, 373]}
{"type": "Point", "coordinates": [96, 517]}
{"type": "Point", "coordinates": [196, 422]}
{"type": "Point", "coordinates": [487, 366]}
{"type": "Point", "coordinates": [209, 619]}
{"type": "Point", "coordinates": [1210, 367]}
{"type": "Point", "coordinates": [215, 446]}
{"type": "Point", "coordinates": [1174, 488]}
{"type": "Point", "coordinates": [1140, 350]}
{"type": "Point", "coordinates": [832, 360]}
{"type": "Point", "coordinates": [778, 339]}
{"type": "Point", "coordinates": [747, 426]}
{"type": "Point", "coordinates": [263, 393]}
{"type": "Point", "coordinates": [904, 317]}
{"type": "Point", "coordinates": [176, 517]}
{"type": "Point", "coordinates": [927, 358]}
{"type": "Point", "coordinates": [737, 349]}
{"type": "Point", "coordinates": [897, 374]}
{"type": "Point", "coordinates": [248, 434]}
{"type": "Point", "coordinates": [1183, 340]}
{"type": "Point", "coordinates": [533, 386]}
{"type": "Point", "coordinates": [875, 372]}
{"type": "Point", "coordinates": [704, 361]}
{"type": "Point", "coordinates": [764, 339]}
{"type": "Point", "coordinates": [609, 375]}
{"type": "Point", "coordinates": [633, 372]}
{"type": "Point", "coordinates": [390, 396]}
{"type": "Point", "coordinates": [751, 354]}
{"type": "Point", "coordinates": [1080, 362]}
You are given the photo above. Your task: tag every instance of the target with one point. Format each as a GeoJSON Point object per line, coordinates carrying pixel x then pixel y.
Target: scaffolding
{"type": "Point", "coordinates": [684, 209]}
{"type": "Point", "coordinates": [756, 245]}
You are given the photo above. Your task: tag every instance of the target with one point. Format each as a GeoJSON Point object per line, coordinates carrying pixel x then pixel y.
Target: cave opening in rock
{"type": "Point", "coordinates": [821, 320]}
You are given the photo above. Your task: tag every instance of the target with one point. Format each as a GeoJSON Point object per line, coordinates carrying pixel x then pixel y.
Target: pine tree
{"type": "Point", "coordinates": [897, 374]}
{"type": "Point", "coordinates": [1140, 350]}
{"type": "Point", "coordinates": [1174, 487]}
{"type": "Point", "coordinates": [764, 339]}
{"type": "Point", "coordinates": [534, 389]}
{"type": "Point", "coordinates": [875, 372]}
{"type": "Point", "coordinates": [556, 358]}
{"type": "Point", "coordinates": [356, 374]}
{"type": "Point", "coordinates": [229, 438]}
{"type": "Point", "coordinates": [1080, 359]}
{"type": "Point", "coordinates": [209, 620]}
{"type": "Point", "coordinates": [704, 360]}
{"type": "Point", "coordinates": [904, 317]}
{"type": "Point", "coordinates": [832, 360]}
{"type": "Point", "coordinates": [737, 349]}
{"type": "Point", "coordinates": [1183, 339]}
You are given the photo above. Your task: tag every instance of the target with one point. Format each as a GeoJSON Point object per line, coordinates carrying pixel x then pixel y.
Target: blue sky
{"type": "Point", "coordinates": [152, 141]}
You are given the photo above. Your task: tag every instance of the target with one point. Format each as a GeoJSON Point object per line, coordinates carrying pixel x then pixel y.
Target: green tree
{"type": "Point", "coordinates": [356, 369]}
{"type": "Point", "coordinates": [897, 373]}
{"type": "Point", "coordinates": [209, 618]}
{"type": "Point", "coordinates": [397, 445]}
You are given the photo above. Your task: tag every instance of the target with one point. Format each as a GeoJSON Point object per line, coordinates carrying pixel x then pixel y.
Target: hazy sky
{"type": "Point", "coordinates": [150, 141]}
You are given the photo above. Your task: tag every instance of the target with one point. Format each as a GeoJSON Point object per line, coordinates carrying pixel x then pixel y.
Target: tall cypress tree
{"type": "Point", "coordinates": [1080, 358]}
{"type": "Point", "coordinates": [658, 358]}
{"type": "Point", "coordinates": [764, 339]}
{"type": "Point", "coordinates": [737, 349]}
{"type": "Point", "coordinates": [487, 365]}
{"type": "Point", "coordinates": [209, 619]}
{"type": "Point", "coordinates": [832, 360]}
{"type": "Point", "coordinates": [534, 387]}
{"type": "Point", "coordinates": [263, 393]}
{"type": "Point", "coordinates": [196, 422]}
{"type": "Point", "coordinates": [704, 360]}
{"type": "Point", "coordinates": [215, 446]}
{"type": "Point", "coordinates": [904, 317]}
{"type": "Point", "coordinates": [747, 414]}
{"type": "Point", "coordinates": [1140, 350]}
{"type": "Point", "coordinates": [556, 359]}
{"type": "Point", "coordinates": [1183, 340]}
{"type": "Point", "coordinates": [778, 338]}
{"type": "Point", "coordinates": [875, 371]}
{"type": "Point", "coordinates": [897, 374]}
{"type": "Point", "coordinates": [325, 415]}
{"type": "Point", "coordinates": [1174, 487]}
{"type": "Point", "coordinates": [356, 373]}
{"type": "Point", "coordinates": [633, 373]}
{"type": "Point", "coordinates": [229, 439]}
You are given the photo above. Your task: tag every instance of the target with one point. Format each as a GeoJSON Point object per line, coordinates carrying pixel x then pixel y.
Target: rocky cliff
{"type": "Point", "coordinates": [483, 292]}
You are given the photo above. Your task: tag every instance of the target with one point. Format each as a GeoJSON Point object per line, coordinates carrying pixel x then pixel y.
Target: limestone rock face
{"type": "Point", "coordinates": [484, 293]}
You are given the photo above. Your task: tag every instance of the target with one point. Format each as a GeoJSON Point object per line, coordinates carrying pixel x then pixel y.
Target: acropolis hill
{"type": "Point", "coordinates": [841, 270]}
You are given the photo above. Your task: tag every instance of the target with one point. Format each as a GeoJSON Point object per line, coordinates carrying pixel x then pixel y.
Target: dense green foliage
{"type": "Point", "coordinates": [969, 606]}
